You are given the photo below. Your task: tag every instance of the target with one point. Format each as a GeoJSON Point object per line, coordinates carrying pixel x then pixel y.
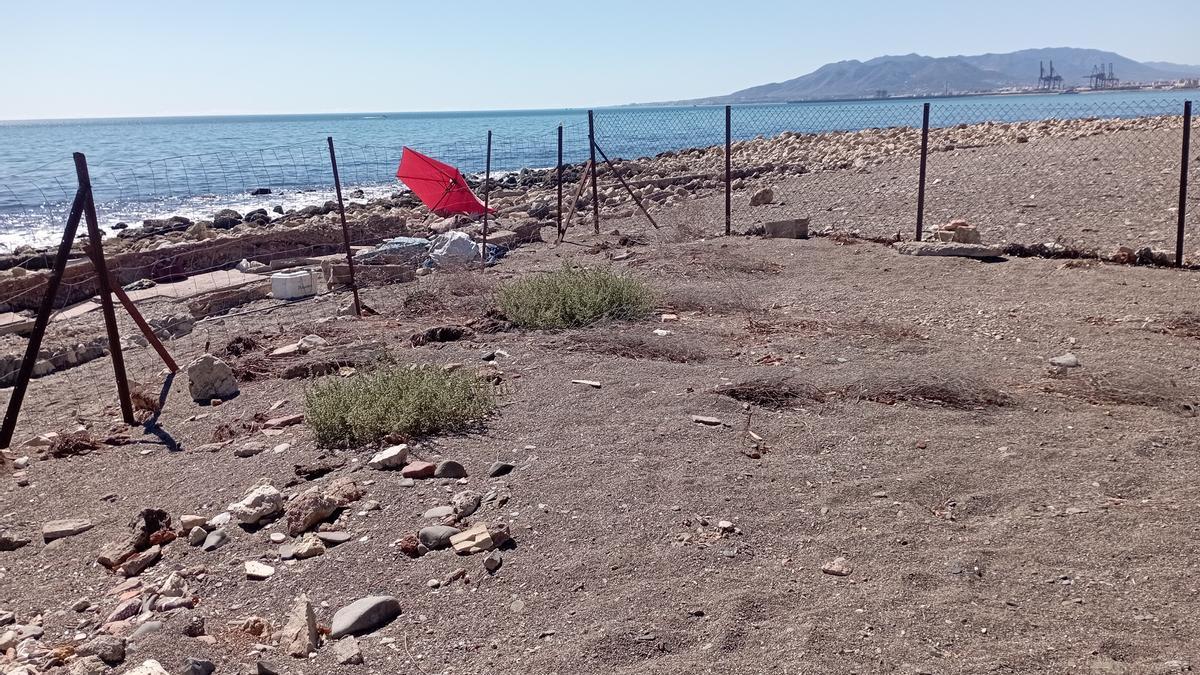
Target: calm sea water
{"type": "Point", "coordinates": [194, 165]}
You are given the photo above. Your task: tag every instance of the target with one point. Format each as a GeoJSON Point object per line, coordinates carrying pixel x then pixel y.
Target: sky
{"type": "Point", "coordinates": [133, 58]}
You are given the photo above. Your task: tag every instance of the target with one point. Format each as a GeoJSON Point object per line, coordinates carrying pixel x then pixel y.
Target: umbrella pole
{"type": "Point", "coordinates": [337, 185]}
{"type": "Point", "coordinates": [487, 190]}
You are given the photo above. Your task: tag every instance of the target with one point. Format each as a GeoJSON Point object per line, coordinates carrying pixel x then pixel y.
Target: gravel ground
{"type": "Point", "coordinates": [1047, 533]}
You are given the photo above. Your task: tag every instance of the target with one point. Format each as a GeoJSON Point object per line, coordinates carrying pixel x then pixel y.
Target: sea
{"type": "Point", "coordinates": [152, 167]}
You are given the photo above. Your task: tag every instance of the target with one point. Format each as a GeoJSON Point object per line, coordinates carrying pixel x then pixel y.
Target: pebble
{"type": "Point", "coordinates": [707, 421]}
{"type": "Point", "coordinates": [347, 652]}
{"type": "Point", "coordinates": [838, 567]}
{"type": "Point", "coordinates": [364, 615]}
{"type": "Point", "coordinates": [331, 539]}
{"type": "Point", "coordinates": [438, 512]}
{"type": "Point", "coordinates": [493, 561]}
{"type": "Point", "coordinates": [278, 537]}
{"type": "Point", "coordinates": [433, 583]}
{"type": "Point", "coordinates": [258, 571]}
{"type": "Point", "coordinates": [197, 536]}
{"type": "Point", "coordinates": [215, 540]}
{"type": "Point", "coordinates": [449, 469]}
{"type": "Point", "coordinates": [498, 469]}
{"type": "Point", "coordinates": [1067, 360]}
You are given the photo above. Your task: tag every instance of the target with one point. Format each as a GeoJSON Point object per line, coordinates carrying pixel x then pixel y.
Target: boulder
{"type": "Point", "coordinates": [211, 378]}
{"type": "Point", "coordinates": [364, 615]}
{"type": "Point", "coordinates": [793, 228]}
{"type": "Point", "coordinates": [226, 219]}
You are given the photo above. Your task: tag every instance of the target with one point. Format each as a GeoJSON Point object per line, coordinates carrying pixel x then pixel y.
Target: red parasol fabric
{"type": "Point", "coordinates": [438, 185]}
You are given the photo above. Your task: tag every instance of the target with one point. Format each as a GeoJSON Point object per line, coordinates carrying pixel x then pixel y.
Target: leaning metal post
{"type": "Point", "coordinates": [337, 185]}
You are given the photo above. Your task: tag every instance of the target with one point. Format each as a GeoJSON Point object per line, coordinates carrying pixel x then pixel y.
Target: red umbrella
{"type": "Point", "coordinates": [438, 185]}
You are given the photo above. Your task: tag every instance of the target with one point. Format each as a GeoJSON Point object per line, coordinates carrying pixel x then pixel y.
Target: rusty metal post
{"type": "Point", "coordinates": [921, 178]}
{"type": "Point", "coordinates": [25, 373]}
{"type": "Point", "coordinates": [558, 181]}
{"type": "Point", "coordinates": [102, 279]}
{"type": "Point", "coordinates": [728, 169]}
{"type": "Point", "coordinates": [138, 319]}
{"type": "Point", "coordinates": [487, 193]}
{"type": "Point", "coordinates": [592, 151]}
{"type": "Point", "coordinates": [337, 186]}
{"type": "Point", "coordinates": [1183, 181]}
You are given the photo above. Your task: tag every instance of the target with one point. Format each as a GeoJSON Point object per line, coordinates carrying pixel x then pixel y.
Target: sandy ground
{"type": "Point", "coordinates": [1049, 533]}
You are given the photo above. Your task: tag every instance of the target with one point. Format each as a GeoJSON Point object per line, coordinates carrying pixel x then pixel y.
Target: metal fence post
{"type": "Point", "coordinates": [728, 169]}
{"type": "Point", "coordinates": [592, 151]}
{"type": "Point", "coordinates": [558, 170]}
{"type": "Point", "coordinates": [921, 178]}
{"type": "Point", "coordinates": [103, 281]}
{"type": "Point", "coordinates": [487, 194]}
{"type": "Point", "coordinates": [1183, 181]}
{"type": "Point", "coordinates": [337, 185]}
{"type": "Point", "coordinates": [25, 374]}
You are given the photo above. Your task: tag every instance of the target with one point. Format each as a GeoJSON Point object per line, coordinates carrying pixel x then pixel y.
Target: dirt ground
{"type": "Point", "coordinates": [999, 516]}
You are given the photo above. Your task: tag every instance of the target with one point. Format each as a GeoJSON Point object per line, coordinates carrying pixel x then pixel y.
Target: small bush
{"type": "Point", "coordinates": [774, 393]}
{"type": "Point", "coordinates": [362, 410]}
{"type": "Point", "coordinates": [573, 298]}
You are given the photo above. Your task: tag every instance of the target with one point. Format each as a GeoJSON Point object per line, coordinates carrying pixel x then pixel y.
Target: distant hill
{"type": "Point", "coordinates": [916, 75]}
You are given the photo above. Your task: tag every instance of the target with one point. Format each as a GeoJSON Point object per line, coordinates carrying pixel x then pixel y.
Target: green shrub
{"type": "Point", "coordinates": [361, 410]}
{"type": "Point", "coordinates": [573, 298]}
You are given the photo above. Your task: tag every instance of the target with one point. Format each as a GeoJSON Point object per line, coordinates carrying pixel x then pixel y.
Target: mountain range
{"type": "Point", "coordinates": [916, 75]}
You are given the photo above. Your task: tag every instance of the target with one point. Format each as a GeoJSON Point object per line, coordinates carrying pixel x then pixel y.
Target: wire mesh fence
{"type": "Point", "coordinates": [194, 238]}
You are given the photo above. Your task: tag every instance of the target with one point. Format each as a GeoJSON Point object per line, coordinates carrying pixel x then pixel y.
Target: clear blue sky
{"type": "Point", "coordinates": [95, 58]}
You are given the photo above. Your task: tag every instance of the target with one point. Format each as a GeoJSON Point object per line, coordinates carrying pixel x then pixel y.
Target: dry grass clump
{"type": "Point", "coordinates": [1186, 324]}
{"type": "Point", "coordinates": [711, 300]}
{"type": "Point", "coordinates": [423, 301]}
{"type": "Point", "coordinates": [640, 347]}
{"type": "Point", "coordinates": [925, 382]}
{"type": "Point", "coordinates": [417, 401]}
{"type": "Point", "coordinates": [76, 443]}
{"type": "Point", "coordinates": [773, 392]}
{"type": "Point", "coordinates": [573, 298]}
{"type": "Point", "coordinates": [1140, 389]}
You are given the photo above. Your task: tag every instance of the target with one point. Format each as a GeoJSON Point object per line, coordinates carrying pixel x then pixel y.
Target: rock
{"type": "Point", "coordinates": [793, 228]}
{"type": "Point", "coordinates": [464, 504]}
{"type": "Point", "coordinates": [344, 491]}
{"type": "Point", "coordinates": [307, 510]}
{"type": "Point", "coordinates": [937, 248]}
{"type": "Point", "coordinates": [762, 197]}
{"type": "Point", "coordinates": [220, 520]}
{"type": "Point", "coordinates": [186, 523]}
{"type": "Point", "coordinates": [108, 648]}
{"type": "Point", "coordinates": [194, 627]}
{"type": "Point", "coordinates": [838, 567]}
{"type": "Point", "coordinates": [148, 667]}
{"type": "Point", "coordinates": [409, 545]}
{"type": "Point", "coordinates": [364, 615]}
{"type": "Point", "coordinates": [197, 536]}
{"type": "Point", "coordinates": [87, 665]}
{"type": "Point", "coordinates": [250, 449]}
{"type": "Point", "coordinates": [210, 378]}
{"type": "Point", "coordinates": [347, 652]}
{"type": "Point", "coordinates": [308, 547]}
{"type": "Point", "coordinates": [257, 571]}
{"type": "Point", "coordinates": [707, 421]}
{"type": "Point", "coordinates": [149, 527]}
{"type": "Point", "coordinates": [146, 629]}
{"type": "Point", "coordinates": [125, 610]}
{"type": "Point", "coordinates": [11, 540]}
{"type": "Point", "coordinates": [311, 342]}
{"type": "Point", "coordinates": [438, 512]}
{"type": "Point", "coordinates": [258, 192]}
{"type": "Point", "coordinates": [278, 537]}
{"type": "Point", "coordinates": [1067, 360]}
{"type": "Point", "coordinates": [437, 537]}
{"type": "Point", "coordinates": [391, 458]}
{"type": "Point", "coordinates": [418, 470]}
{"type": "Point", "coordinates": [283, 422]}
{"type": "Point", "coordinates": [299, 637]}
{"type": "Point", "coordinates": [449, 469]}
{"type": "Point", "coordinates": [215, 540]}
{"type": "Point", "coordinates": [493, 561]}
{"type": "Point", "coordinates": [226, 218]}
{"type": "Point", "coordinates": [498, 469]}
{"type": "Point", "coordinates": [259, 504]}
{"type": "Point", "coordinates": [198, 667]}
{"type": "Point", "coordinates": [59, 529]}
{"type": "Point", "coordinates": [140, 562]}
{"type": "Point", "coordinates": [479, 538]}
{"type": "Point", "coordinates": [331, 539]}
{"type": "Point", "coordinates": [81, 605]}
